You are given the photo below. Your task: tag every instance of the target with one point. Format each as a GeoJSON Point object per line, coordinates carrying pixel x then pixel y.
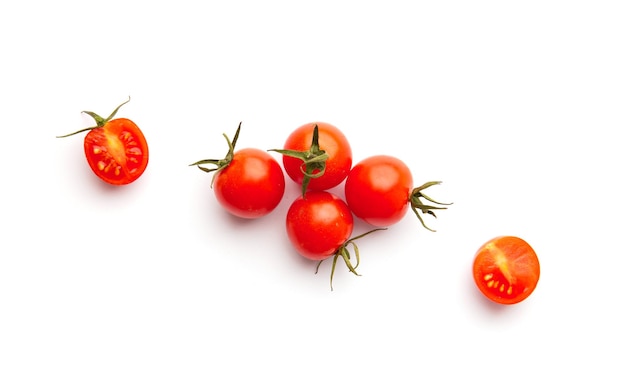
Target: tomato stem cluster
{"type": "Point", "coordinates": [99, 120]}
{"type": "Point", "coordinates": [418, 206]}
{"type": "Point", "coordinates": [313, 160]}
{"type": "Point", "coordinates": [344, 253]}
{"type": "Point", "coordinates": [220, 163]}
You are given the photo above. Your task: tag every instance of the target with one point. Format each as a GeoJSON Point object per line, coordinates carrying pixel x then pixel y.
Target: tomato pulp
{"type": "Point", "coordinates": [116, 149]}
{"type": "Point", "coordinates": [506, 269]}
{"type": "Point", "coordinates": [117, 152]}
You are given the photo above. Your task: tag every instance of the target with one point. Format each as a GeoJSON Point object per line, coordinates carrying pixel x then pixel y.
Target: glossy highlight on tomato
{"type": "Point", "coordinates": [116, 149]}
{"type": "Point", "coordinates": [506, 269]}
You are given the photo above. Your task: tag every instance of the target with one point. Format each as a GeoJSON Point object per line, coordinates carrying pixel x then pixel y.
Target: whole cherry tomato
{"type": "Point", "coordinates": [317, 155]}
{"type": "Point", "coordinates": [248, 183]}
{"type": "Point", "coordinates": [116, 149]}
{"type": "Point", "coordinates": [318, 223]}
{"type": "Point", "coordinates": [506, 269]}
{"type": "Point", "coordinates": [379, 190]}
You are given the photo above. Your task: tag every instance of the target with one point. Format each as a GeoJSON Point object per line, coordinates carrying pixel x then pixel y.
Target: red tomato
{"type": "Point", "coordinates": [318, 224]}
{"type": "Point", "coordinates": [252, 185]}
{"type": "Point", "coordinates": [379, 190]}
{"type": "Point", "coordinates": [248, 183]}
{"type": "Point", "coordinates": [328, 160]}
{"type": "Point", "coordinates": [506, 269]}
{"type": "Point", "coordinates": [116, 149]}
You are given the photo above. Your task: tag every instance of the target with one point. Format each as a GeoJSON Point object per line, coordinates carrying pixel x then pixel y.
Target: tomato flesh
{"type": "Point", "coordinates": [377, 190]}
{"type": "Point", "coordinates": [506, 269]}
{"type": "Point", "coordinates": [251, 186]}
{"type": "Point", "coordinates": [318, 224]}
{"type": "Point", "coordinates": [332, 141]}
{"type": "Point", "coordinates": [117, 152]}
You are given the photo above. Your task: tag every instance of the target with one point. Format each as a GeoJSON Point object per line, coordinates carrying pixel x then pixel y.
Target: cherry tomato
{"type": "Point", "coordinates": [317, 155]}
{"type": "Point", "coordinates": [506, 269]}
{"type": "Point", "coordinates": [248, 183]}
{"type": "Point", "coordinates": [252, 185]}
{"type": "Point", "coordinates": [116, 149]}
{"type": "Point", "coordinates": [318, 224]}
{"type": "Point", "coordinates": [379, 190]}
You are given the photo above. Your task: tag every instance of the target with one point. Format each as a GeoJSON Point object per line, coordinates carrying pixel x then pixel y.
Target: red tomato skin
{"type": "Point", "coordinates": [318, 224]}
{"type": "Point", "coordinates": [332, 141]}
{"type": "Point", "coordinates": [377, 190]}
{"type": "Point", "coordinates": [506, 269]}
{"type": "Point", "coordinates": [251, 186]}
{"type": "Point", "coordinates": [117, 152]}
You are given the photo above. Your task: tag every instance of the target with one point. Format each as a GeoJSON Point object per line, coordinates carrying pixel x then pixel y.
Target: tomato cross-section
{"type": "Point", "coordinates": [117, 152]}
{"type": "Point", "coordinates": [506, 269]}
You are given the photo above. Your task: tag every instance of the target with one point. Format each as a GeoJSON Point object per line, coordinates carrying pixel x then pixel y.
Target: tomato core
{"type": "Point", "coordinates": [506, 269]}
{"type": "Point", "coordinates": [117, 152]}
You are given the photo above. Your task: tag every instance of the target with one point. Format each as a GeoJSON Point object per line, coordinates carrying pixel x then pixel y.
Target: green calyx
{"type": "Point", "coordinates": [344, 253]}
{"type": "Point", "coordinates": [220, 164]}
{"type": "Point", "coordinates": [313, 160]}
{"type": "Point", "coordinates": [418, 206]}
{"type": "Point", "coordinates": [99, 120]}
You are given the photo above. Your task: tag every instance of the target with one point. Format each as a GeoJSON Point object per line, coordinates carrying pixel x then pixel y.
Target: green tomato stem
{"type": "Point", "coordinates": [99, 120]}
{"type": "Point", "coordinates": [418, 206]}
{"type": "Point", "coordinates": [313, 160]}
{"type": "Point", "coordinates": [344, 253]}
{"type": "Point", "coordinates": [220, 164]}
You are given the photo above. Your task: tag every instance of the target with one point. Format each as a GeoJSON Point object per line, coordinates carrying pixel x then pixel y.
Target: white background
{"type": "Point", "coordinates": [518, 107]}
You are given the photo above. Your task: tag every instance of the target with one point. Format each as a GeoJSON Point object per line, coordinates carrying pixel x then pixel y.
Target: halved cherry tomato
{"type": "Point", "coordinates": [248, 183]}
{"type": "Point", "coordinates": [379, 190]}
{"type": "Point", "coordinates": [506, 269]}
{"type": "Point", "coordinates": [116, 149]}
{"type": "Point", "coordinates": [317, 155]}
